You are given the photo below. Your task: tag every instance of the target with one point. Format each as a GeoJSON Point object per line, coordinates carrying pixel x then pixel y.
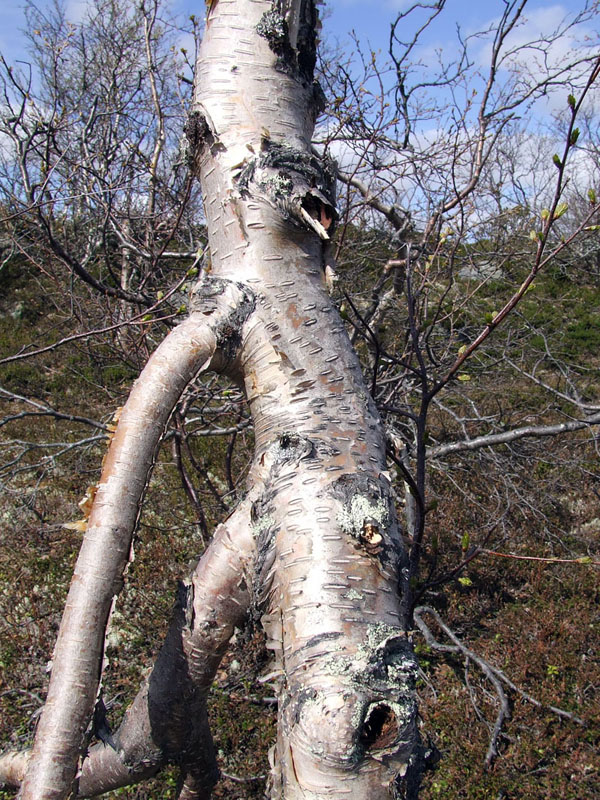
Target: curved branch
{"type": "Point", "coordinates": [493, 674]}
{"type": "Point", "coordinates": [44, 410]}
{"type": "Point", "coordinates": [105, 551]}
{"type": "Point", "coordinates": [397, 216]}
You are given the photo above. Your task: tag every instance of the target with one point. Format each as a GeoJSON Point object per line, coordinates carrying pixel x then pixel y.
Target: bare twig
{"type": "Point", "coordinates": [496, 676]}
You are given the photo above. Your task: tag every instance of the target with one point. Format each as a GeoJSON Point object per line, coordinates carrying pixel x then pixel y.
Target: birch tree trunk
{"type": "Point", "coordinates": [315, 546]}
{"type": "Point", "coordinates": [330, 557]}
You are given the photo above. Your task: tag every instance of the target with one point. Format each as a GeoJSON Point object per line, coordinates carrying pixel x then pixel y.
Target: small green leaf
{"type": "Point", "coordinates": [574, 136]}
{"type": "Point", "coordinates": [545, 213]}
{"type": "Point", "coordinates": [561, 208]}
{"type": "Point", "coordinates": [556, 160]}
{"type": "Point", "coordinates": [464, 377]}
{"type": "Point", "coordinates": [592, 228]}
{"type": "Point", "coordinates": [160, 295]}
{"type": "Point", "coordinates": [584, 560]}
{"type": "Point", "coordinates": [192, 272]}
{"type": "Point", "coordinates": [462, 349]}
{"type": "Point", "coordinates": [464, 581]}
{"type": "Point", "coordinates": [182, 309]}
{"type": "Point", "coordinates": [147, 318]}
{"type": "Point", "coordinates": [489, 317]}
{"type": "Point", "coordinates": [535, 236]}
{"type": "Point", "coordinates": [465, 541]}
{"type": "Point", "coordinates": [571, 101]}
{"type": "Point", "coordinates": [592, 196]}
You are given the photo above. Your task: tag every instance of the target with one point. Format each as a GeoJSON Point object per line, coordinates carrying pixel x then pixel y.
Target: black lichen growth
{"type": "Point", "coordinates": [318, 173]}
{"type": "Point", "coordinates": [298, 59]}
{"type": "Point", "coordinates": [273, 27]}
{"type": "Point", "coordinates": [197, 132]}
{"type": "Point", "coordinates": [204, 298]}
{"type": "Point", "coordinates": [306, 44]}
{"type": "Point", "coordinates": [299, 184]}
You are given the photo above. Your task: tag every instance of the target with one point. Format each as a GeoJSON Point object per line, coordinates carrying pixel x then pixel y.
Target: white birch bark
{"type": "Point", "coordinates": [329, 551]}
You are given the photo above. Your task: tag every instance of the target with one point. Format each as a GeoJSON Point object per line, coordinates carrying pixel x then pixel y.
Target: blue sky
{"type": "Point", "coordinates": [369, 18]}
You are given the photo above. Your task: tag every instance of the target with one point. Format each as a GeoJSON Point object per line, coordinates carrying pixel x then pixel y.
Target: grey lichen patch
{"type": "Point", "coordinates": [384, 661]}
{"type": "Point", "coordinates": [366, 514]}
{"type": "Point", "coordinates": [278, 184]}
{"type": "Point", "coordinates": [360, 509]}
{"type": "Point", "coordinates": [337, 665]}
{"type": "Point", "coordinates": [262, 525]}
{"type": "Point", "coordinates": [289, 447]}
{"type": "Point", "coordinates": [353, 595]}
{"type": "Point", "coordinates": [296, 58]}
{"type": "Point", "coordinates": [400, 666]}
{"type": "Point", "coordinates": [273, 27]}
{"type": "Point", "coordinates": [379, 634]}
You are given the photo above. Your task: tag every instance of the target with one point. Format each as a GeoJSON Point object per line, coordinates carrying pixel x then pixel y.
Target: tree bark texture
{"type": "Point", "coordinates": [314, 550]}
{"type": "Point", "coordinates": [330, 557]}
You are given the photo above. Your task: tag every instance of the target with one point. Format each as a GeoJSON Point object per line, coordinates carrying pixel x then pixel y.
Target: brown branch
{"type": "Point", "coordinates": [583, 560]}
{"type": "Point", "coordinates": [496, 676]}
{"type": "Point", "coordinates": [540, 259]}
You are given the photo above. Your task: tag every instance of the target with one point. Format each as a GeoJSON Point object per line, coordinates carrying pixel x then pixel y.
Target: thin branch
{"type": "Point", "coordinates": [493, 439]}
{"type": "Point", "coordinates": [583, 560]}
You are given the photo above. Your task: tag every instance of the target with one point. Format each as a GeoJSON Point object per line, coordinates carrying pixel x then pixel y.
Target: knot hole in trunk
{"type": "Point", "coordinates": [380, 728]}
